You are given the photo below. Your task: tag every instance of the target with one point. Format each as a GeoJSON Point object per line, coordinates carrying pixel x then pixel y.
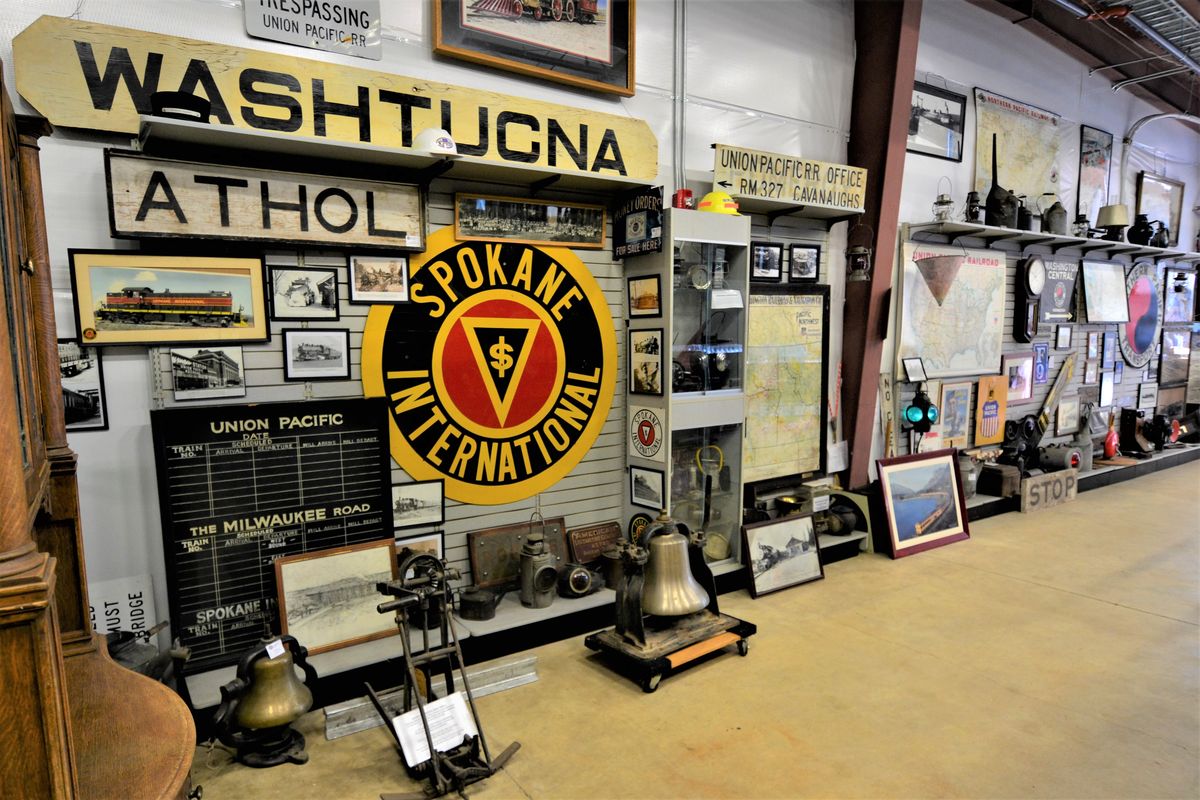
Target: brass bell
{"type": "Point", "coordinates": [276, 696]}
{"type": "Point", "coordinates": [670, 589]}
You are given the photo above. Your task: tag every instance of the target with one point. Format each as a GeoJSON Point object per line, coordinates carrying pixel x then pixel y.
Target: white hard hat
{"type": "Point", "coordinates": [436, 141]}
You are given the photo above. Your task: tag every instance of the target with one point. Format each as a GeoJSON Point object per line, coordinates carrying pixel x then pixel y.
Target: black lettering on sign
{"type": "Point", "coordinates": [248, 82]}
{"type": "Point", "coordinates": [507, 118]}
{"type": "Point", "coordinates": [159, 181]}
{"type": "Point", "coordinates": [197, 74]}
{"type": "Point", "coordinates": [223, 185]}
{"type": "Point", "coordinates": [407, 103]}
{"type": "Point", "coordinates": [119, 70]}
{"type": "Point", "coordinates": [323, 108]}
{"type": "Point", "coordinates": [556, 136]}
{"type": "Point", "coordinates": [351, 210]}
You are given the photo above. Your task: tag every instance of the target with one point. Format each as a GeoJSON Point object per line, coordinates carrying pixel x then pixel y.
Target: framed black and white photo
{"type": "Point", "coordinates": [781, 552]}
{"type": "Point", "coordinates": [313, 354]}
{"type": "Point", "coordinates": [518, 219]}
{"type": "Point", "coordinates": [418, 504]}
{"type": "Point", "coordinates": [936, 122]}
{"type": "Point", "coordinates": [378, 279]}
{"type": "Point", "coordinates": [914, 368]}
{"type": "Point", "coordinates": [82, 387]}
{"type": "Point", "coordinates": [303, 294]}
{"type": "Point", "coordinates": [206, 373]}
{"type": "Point", "coordinates": [766, 261]}
{"type": "Point", "coordinates": [805, 263]}
{"type": "Point", "coordinates": [1062, 340]}
{"type": "Point", "coordinates": [645, 296]}
{"type": "Point", "coordinates": [646, 488]}
{"type": "Point", "coordinates": [645, 361]}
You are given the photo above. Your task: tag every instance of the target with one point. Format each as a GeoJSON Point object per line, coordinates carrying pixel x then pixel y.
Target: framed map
{"type": "Point", "coordinates": [962, 334]}
{"type": "Point", "coordinates": [1028, 142]}
{"type": "Point", "coordinates": [785, 384]}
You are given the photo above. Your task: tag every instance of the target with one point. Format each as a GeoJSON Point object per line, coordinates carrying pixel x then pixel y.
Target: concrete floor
{"type": "Point", "coordinates": [1051, 655]}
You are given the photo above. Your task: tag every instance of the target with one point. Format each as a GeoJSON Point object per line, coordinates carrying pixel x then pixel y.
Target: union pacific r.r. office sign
{"type": "Point", "coordinates": [86, 75]}
{"type": "Point", "coordinates": [499, 374]}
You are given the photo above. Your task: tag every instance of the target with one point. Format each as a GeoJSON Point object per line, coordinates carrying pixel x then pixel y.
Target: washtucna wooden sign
{"type": "Point", "coordinates": [86, 75]}
{"type": "Point", "coordinates": [500, 374]}
{"type": "Point", "coordinates": [152, 197]}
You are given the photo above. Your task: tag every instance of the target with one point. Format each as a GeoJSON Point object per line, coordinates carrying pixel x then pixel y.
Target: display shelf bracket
{"type": "Point", "coordinates": [953, 232]}
{"type": "Point", "coordinates": [544, 183]}
{"type": "Point", "coordinates": [427, 175]}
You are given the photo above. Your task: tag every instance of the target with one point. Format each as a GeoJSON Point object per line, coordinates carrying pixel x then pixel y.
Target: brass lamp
{"type": "Point", "coordinates": [1114, 220]}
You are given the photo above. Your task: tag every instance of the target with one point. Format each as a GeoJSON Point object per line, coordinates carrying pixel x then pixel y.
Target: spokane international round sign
{"type": "Point", "coordinates": [1139, 336]}
{"type": "Point", "coordinates": [499, 371]}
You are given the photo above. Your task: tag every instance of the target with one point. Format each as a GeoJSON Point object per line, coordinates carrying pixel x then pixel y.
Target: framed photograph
{"type": "Point", "coordinates": [956, 413]}
{"type": "Point", "coordinates": [991, 404]}
{"type": "Point", "coordinates": [1180, 304]}
{"type": "Point", "coordinates": [1160, 199]}
{"type": "Point", "coordinates": [1176, 352]}
{"type": "Point", "coordinates": [1018, 371]}
{"type": "Point", "coordinates": [1104, 292]}
{"type": "Point", "coordinates": [125, 297]}
{"type": "Point", "coordinates": [1147, 396]}
{"type": "Point", "coordinates": [766, 262]}
{"type": "Point", "coordinates": [914, 368]}
{"type": "Point", "coordinates": [936, 122]}
{"type": "Point", "coordinates": [1067, 416]}
{"type": "Point", "coordinates": [426, 544]}
{"type": "Point", "coordinates": [314, 354]}
{"type": "Point", "coordinates": [922, 501]}
{"type": "Point", "coordinates": [804, 263]}
{"type": "Point", "coordinates": [418, 504]}
{"type": "Point", "coordinates": [1106, 389]}
{"type": "Point", "coordinates": [781, 553]}
{"type": "Point", "coordinates": [1095, 159]}
{"type": "Point", "coordinates": [1062, 337]}
{"type": "Point", "coordinates": [1093, 345]}
{"type": "Point", "coordinates": [645, 296]}
{"type": "Point", "coordinates": [1041, 362]}
{"type": "Point", "coordinates": [303, 294]}
{"type": "Point", "coordinates": [588, 44]}
{"type": "Point", "coordinates": [645, 361]}
{"type": "Point", "coordinates": [378, 279]}
{"type": "Point", "coordinates": [207, 373]}
{"type": "Point", "coordinates": [82, 386]}
{"type": "Point", "coordinates": [1118, 371]}
{"type": "Point", "coordinates": [327, 598]}
{"type": "Point", "coordinates": [515, 219]}
{"type": "Point", "coordinates": [1109, 356]}
{"type": "Point", "coordinates": [646, 488]}
{"type": "Point", "coordinates": [1091, 372]}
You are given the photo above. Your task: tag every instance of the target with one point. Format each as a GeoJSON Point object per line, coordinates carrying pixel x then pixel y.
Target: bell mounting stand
{"type": "Point", "coordinates": [422, 595]}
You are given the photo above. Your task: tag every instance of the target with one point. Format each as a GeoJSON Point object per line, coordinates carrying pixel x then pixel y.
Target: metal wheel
{"type": "Point", "coordinates": [518, 8]}
{"type": "Point", "coordinates": [651, 683]}
{"type": "Point", "coordinates": [570, 11]}
{"type": "Point", "coordinates": [743, 647]}
{"type": "Point", "coordinates": [538, 13]}
{"type": "Point", "coordinates": [556, 10]}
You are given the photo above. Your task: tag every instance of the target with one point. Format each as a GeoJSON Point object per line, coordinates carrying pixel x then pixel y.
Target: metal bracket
{"type": "Point", "coordinates": [783, 212]}
{"type": "Point", "coordinates": [425, 176]}
{"type": "Point", "coordinates": [538, 185]}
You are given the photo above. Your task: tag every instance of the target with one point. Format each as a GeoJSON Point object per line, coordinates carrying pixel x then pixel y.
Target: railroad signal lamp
{"type": "Point", "coordinates": [922, 413]}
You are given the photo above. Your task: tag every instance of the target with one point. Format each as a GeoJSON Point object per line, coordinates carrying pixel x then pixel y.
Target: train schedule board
{"type": "Point", "coordinates": [242, 485]}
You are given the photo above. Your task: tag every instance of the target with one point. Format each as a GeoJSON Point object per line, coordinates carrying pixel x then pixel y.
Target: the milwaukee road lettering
{"type": "Point", "coordinates": [500, 372]}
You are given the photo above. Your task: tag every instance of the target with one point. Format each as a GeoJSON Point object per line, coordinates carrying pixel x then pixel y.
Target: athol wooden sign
{"type": "Point", "coordinates": [86, 75]}
{"type": "Point", "coordinates": [155, 198]}
{"type": "Point", "coordinates": [788, 179]}
{"type": "Point", "coordinates": [1049, 490]}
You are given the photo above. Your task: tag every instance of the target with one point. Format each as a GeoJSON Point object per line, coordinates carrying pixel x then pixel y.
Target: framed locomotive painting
{"type": "Point", "coordinates": [583, 43]}
{"type": "Point", "coordinates": [125, 297]}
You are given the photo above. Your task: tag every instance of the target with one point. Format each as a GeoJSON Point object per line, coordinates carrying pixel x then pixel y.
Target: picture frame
{"type": "Point", "coordinates": [1180, 290]}
{"type": "Point", "coordinates": [433, 543]}
{"type": "Point", "coordinates": [552, 223]}
{"type": "Point", "coordinates": [644, 293]}
{"type": "Point", "coordinates": [646, 487]}
{"type": "Point", "coordinates": [82, 371]}
{"type": "Point", "coordinates": [1118, 371]}
{"type": "Point", "coordinates": [1104, 292]}
{"type": "Point", "coordinates": [1093, 345]}
{"type": "Point", "coordinates": [956, 413]}
{"type": "Point", "coordinates": [224, 298]}
{"type": "Point", "coordinates": [418, 504]}
{"type": "Point", "coordinates": [316, 354]}
{"type": "Point", "coordinates": [1176, 353]}
{"type": "Point", "coordinates": [596, 55]}
{"type": "Point", "coordinates": [766, 262]}
{"type": "Point", "coordinates": [914, 369]}
{"type": "Point", "coordinates": [1095, 163]}
{"type": "Point", "coordinates": [1018, 371]}
{"type": "Point", "coordinates": [936, 122]}
{"type": "Point", "coordinates": [1161, 199]}
{"type": "Point", "coordinates": [1062, 337]}
{"type": "Point", "coordinates": [1147, 396]}
{"type": "Point", "coordinates": [303, 293]}
{"type": "Point", "coordinates": [1109, 351]}
{"type": "Point", "coordinates": [1091, 372]}
{"type": "Point", "coordinates": [915, 488]}
{"type": "Point", "coordinates": [1066, 417]}
{"type": "Point", "coordinates": [1041, 362]}
{"type": "Point", "coordinates": [781, 553]}
{"type": "Point", "coordinates": [804, 263]}
{"type": "Point", "coordinates": [378, 280]}
{"type": "Point", "coordinates": [207, 373]}
{"type": "Point", "coordinates": [305, 585]}
{"type": "Point", "coordinates": [1106, 389]}
{"type": "Point", "coordinates": [646, 361]}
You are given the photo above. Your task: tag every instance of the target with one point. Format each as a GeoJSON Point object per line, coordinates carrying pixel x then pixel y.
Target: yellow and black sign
{"type": "Point", "coordinates": [500, 372]}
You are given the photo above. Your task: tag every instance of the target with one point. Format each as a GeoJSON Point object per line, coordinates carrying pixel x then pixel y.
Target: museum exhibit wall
{"type": "Point", "coordinates": [775, 76]}
{"type": "Point", "coordinates": [963, 47]}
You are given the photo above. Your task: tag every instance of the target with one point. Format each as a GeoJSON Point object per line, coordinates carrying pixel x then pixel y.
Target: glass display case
{"type": "Point", "coordinates": [705, 491]}
{"type": "Point", "coordinates": [707, 319]}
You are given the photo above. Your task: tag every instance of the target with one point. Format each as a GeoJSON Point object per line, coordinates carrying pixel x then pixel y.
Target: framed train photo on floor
{"type": "Point", "coordinates": [922, 501]}
{"type": "Point", "coordinates": [124, 297]}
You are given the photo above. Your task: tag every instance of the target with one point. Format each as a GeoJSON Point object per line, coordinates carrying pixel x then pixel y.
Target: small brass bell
{"type": "Point", "coordinates": [276, 696]}
{"type": "Point", "coordinates": [670, 589]}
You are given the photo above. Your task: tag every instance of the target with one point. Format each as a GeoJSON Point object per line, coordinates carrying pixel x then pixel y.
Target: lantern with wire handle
{"type": "Point", "coordinates": [858, 253]}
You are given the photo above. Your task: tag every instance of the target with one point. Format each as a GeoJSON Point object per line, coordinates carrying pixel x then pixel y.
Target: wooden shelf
{"type": "Point", "coordinates": [954, 231]}
{"type": "Point", "coordinates": [782, 208]}
{"type": "Point", "coordinates": [158, 134]}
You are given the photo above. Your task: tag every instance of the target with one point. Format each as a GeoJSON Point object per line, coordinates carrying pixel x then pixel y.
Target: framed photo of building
{"type": "Point", "coordinates": [316, 354]}
{"type": "Point", "coordinates": [517, 219]}
{"type": "Point", "coordinates": [646, 488]}
{"type": "Point", "coordinates": [936, 122]}
{"type": "Point", "coordinates": [804, 263]}
{"type": "Point", "coordinates": [766, 262]}
{"type": "Point", "coordinates": [207, 373]}
{"type": "Point", "coordinates": [82, 375]}
{"type": "Point", "coordinates": [588, 44]}
{"type": "Point", "coordinates": [645, 296]}
{"type": "Point", "coordinates": [125, 297]}
{"type": "Point", "coordinates": [645, 361]}
{"type": "Point", "coordinates": [1161, 199]}
{"type": "Point", "coordinates": [303, 294]}
{"type": "Point", "coordinates": [1018, 370]}
{"type": "Point", "coordinates": [923, 502]}
{"type": "Point", "coordinates": [378, 279]}
{"type": "Point", "coordinates": [781, 553]}
{"type": "Point", "coordinates": [327, 598]}
{"type": "Point", "coordinates": [418, 504]}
